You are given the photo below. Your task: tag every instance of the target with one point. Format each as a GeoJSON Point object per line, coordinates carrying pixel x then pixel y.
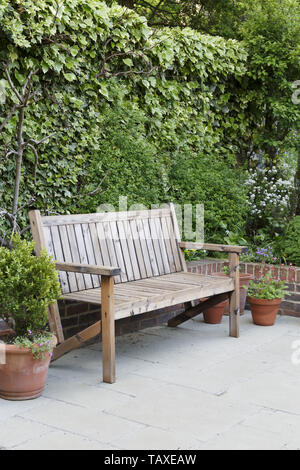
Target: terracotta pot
{"type": "Point", "coordinates": [264, 311]}
{"type": "Point", "coordinates": [214, 314]}
{"type": "Point", "coordinates": [22, 377]}
{"type": "Point", "coordinates": [244, 281]}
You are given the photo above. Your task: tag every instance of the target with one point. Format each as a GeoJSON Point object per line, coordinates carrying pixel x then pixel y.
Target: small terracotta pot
{"type": "Point", "coordinates": [244, 282]}
{"type": "Point", "coordinates": [264, 311]}
{"type": "Point", "coordinates": [22, 377]}
{"type": "Point", "coordinates": [214, 314]}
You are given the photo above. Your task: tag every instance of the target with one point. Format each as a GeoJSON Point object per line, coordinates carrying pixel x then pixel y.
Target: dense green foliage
{"type": "Point", "coordinates": [291, 242]}
{"type": "Point", "coordinates": [160, 115]}
{"type": "Point", "coordinates": [270, 30]}
{"type": "Point", "coordinates": [154, 132]}
{"type": "Point", "coordinates": [28, 285]}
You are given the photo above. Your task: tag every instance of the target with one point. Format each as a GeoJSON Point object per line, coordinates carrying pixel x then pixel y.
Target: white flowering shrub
{"type": "Point", "coordinates": [269, 193]}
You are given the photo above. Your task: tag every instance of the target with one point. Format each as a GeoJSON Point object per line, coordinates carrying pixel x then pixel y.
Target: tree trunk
{"type": "Point", "coordinates": [18, 167]}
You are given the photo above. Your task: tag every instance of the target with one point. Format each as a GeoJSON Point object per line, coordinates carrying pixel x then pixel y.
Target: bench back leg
{"type": "Point", "coordinates": [38, 237]}
{"type": "Point", "coordinates": [108, 329]}
{"type": "Point", "coordinates": [234, 297]}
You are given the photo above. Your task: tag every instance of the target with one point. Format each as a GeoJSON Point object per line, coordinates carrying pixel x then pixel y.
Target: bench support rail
{"type": "Point", "coordinates": [234, 297]}
{"type": "Point", "coordinates": [194, 311]}
{"type": "Point", "coordinates": [77, 340]}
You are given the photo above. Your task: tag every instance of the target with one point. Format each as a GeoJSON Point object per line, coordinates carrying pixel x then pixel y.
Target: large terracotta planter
{"type": "Point", "coordinates": [264, 311]}
{"type": "Point", "coordinates": [244, 282]}
{"type": "Point", "coordinates": [22, 377]}
{"type": "Point", "coordinates": [214, 314]}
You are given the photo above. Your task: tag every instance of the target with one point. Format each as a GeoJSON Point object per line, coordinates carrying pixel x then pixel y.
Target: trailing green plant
{"type": "Point", "coordinates": [39, 344]}
{"type": "Point", "coordinates": [266, 287]}
{"type": "Point", "coordinates": [28, 285]}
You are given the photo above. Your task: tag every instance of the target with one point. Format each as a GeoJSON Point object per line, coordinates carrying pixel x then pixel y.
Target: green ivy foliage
{"type": "Point", "coordinates": [167, 99]}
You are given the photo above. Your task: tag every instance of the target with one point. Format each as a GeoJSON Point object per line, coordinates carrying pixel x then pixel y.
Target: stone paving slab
{"type": "Point", "coordinates": [191, 387]}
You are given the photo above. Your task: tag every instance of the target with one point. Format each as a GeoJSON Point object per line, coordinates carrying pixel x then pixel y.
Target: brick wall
{"type": "Point", "coordinates": [291, 304]}
{"type": "Point", "coordinates": [77, 316]}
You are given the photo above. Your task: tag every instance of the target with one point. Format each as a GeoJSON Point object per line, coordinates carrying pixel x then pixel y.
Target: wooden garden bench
{"type": "Point", "coordinates": [129, 263]}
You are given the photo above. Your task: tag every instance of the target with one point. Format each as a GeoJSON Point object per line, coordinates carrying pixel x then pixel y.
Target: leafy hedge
{"type": "Point", "coordinates": [162, 114]}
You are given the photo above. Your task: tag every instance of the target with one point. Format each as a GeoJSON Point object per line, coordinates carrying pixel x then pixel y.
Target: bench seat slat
{"type": "Point", "coordinates": [130, 300]}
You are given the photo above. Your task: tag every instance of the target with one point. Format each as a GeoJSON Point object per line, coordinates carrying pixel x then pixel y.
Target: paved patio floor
{"type": "Point", "coordinates": [191, 387]}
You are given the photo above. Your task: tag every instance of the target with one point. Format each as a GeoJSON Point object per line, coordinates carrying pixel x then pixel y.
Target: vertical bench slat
{"type": "Point", "coordinates": [58, 254]}
{"type": "Point", "coordinates": [67, 254]}
{"type": "Point", "coordinates": [138, 248]}
{"type": "Point", "coordinates": [156, 246]}
{"type": "Point", "coordinates": [132, 250]}
{"type": "Point", "coordinates": [174, 245]}
{"type": "Point", "coordinates": [49, 240]}
{"type": "Point", "coordinates": [151, 251]}
{"type": "Point", "coordinates": [81, 249]}
{"type": "Point", "coordinates": [175, 230]}
{"type": "Point", "coordinates": [124, 247]}
{"type": "Point", "coordinates": [116, 247]}
{"type": "Point", "coordinates": [90, 252]}
{"type": "Point", "coordinates": [100, 260]}
{"type": "Point", "coordinates": [143, 244]}
{"type": "Point", "coordinates": [162, 243]}
{"type": "Point", "coordinates": [141, 239]}
{"type": "Point", "coordinates": [103, 240]}
{"type": "Point", "coordinates": [166, 236]}
{"type": "Point", "coordinates": [75, 255]}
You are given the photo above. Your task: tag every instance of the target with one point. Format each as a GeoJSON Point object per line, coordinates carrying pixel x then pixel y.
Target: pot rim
{"type": "Point", "coordinates": [256, 300]}
{"type": "Point", "coordinates": [20, 350]}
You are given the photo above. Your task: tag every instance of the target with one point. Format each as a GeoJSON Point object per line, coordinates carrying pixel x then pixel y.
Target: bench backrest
{"type": "Point", "coordinates": [142, 243]}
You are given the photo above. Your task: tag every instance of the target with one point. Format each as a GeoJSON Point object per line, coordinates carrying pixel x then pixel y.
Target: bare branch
{"type": "Point", "coordinates": [95, 191]}
{"type": "Point", "coordinates": [32, 95]}
{"type": "Point", "coordinates": [10, 114]}
{"type": "Point", "coordinates": [28, 203]}
{"type": "Point", "coordinates": [37, 143]}
{"type": "Point", "coordinates": [36, 162]}
{"type": "Point", "coordinates": [28, 80]}
{"type": "Point", "coordinates": [5, 213]}
{"type": "Point", "coordinates": [11, 152]}
{"type": "Point", "coordinates": [25, 230]}
{"type": "Point", "coordinates": [128, 72]}
{"type": "Point", "coordinates": [12, 86]}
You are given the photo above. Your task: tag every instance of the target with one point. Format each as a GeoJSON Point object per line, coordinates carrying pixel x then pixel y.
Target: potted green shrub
{"type": "Point", "coordinates": [265, 296]}
{"type": "Point", "coordinates": [28, 285]}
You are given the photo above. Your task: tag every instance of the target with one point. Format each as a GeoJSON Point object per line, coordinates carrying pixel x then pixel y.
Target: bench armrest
{"type": "Point", "coordinates": [213, 247]}
{"type": "Point", "coordinates": [88, 269]}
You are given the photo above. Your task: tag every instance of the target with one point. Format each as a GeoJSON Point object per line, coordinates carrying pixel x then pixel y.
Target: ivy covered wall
{"type": "Point", "coordinates": [156, 116]}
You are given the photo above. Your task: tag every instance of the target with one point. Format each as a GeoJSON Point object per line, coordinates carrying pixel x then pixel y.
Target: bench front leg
{"type": "Point", "coordinates": [234, 297]}
{"type": "Point", "coordinates": [108, 329]}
